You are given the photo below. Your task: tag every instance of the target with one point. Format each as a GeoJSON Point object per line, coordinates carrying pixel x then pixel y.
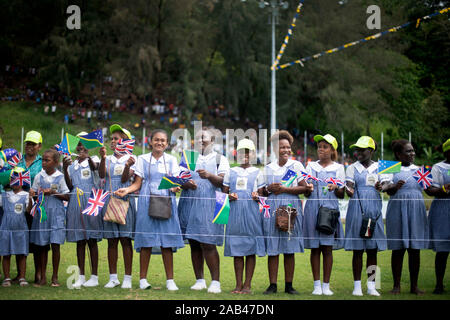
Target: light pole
{"type": "Point", "coordinates": [274, 6]}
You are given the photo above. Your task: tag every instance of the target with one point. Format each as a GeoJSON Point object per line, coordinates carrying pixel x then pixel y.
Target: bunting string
{"type": "Point", "coordinates": [363, 40]}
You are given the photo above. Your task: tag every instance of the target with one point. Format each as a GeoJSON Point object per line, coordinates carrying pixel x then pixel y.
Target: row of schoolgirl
{"type": "Point", "coordinates": [248, 233]}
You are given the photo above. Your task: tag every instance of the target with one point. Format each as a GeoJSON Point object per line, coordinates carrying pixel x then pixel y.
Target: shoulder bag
{"type": "Point", "coordinates": [327, 219]}
{"type": "Point", "coordinates": [117, 208]}
{"type": "Point", "coordinates": [160, 207]}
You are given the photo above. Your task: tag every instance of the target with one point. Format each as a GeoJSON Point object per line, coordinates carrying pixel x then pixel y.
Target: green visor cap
{"type": "Point", "coordinates": [116, 127]}
{"type": "Point", "coordinates": [364, 142]}
{"type": "Point", "coordinates": [328, 138]}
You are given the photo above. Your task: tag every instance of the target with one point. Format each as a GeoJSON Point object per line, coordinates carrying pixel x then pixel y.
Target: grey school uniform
{"type": "Point", "coordinates": [151, 232]}
{"type": "Point", "coordinates": [321, 196]}
{"type": "Point", "coordinates": [82, 226]}
{"type": "Point", "coordinates": [53, 229]}
{"type": "Point", "coordinates": [198, 212]}
{"type": "Point", "coordinates": [114, 170]}
{"type": "Point", "coordinates": [244, 234]}
{"type": "Point", "coordinates": [406, 217]}
{"type": "Point", "coordinates": [280, 242]}
{"type": "Point", "coordinates": [14, 234]}
{"type": "Point", "coordinates": [364, 180]}
{"type": "Point", "coordinates": [439, 215]}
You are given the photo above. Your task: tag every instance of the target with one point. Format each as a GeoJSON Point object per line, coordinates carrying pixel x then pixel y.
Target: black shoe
{"type": "Point", "coordinates": [291, 290]}
{"type": "Point", "coordinates": [271, 289]}
{"type": "Point", "coordinates": [438, 290]}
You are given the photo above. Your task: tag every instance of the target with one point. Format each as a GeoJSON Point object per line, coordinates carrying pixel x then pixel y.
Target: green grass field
{"type": "Point", "coordinates": [341, 279]}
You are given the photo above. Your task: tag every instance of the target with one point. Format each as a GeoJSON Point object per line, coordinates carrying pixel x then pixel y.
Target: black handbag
{"type": "Point", "coordinates": [160, 207]}
{"type": "Point", "coordinates": [327, 219]}
{"type": "Point", "coordinates": [367, 224]}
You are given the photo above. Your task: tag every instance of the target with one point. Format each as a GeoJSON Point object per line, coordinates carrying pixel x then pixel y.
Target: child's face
{"type": "Point", "coordinates": [244, 156]}
{"type": "Point", "coordinates": [16, 188]}
{"type": "Point", "coordinates": [284, 150]}
{"type": "Point", "coordinates": [115, 137]}
{"type": "Point", "coordinates": [32, 149]}
{"type": "Point", "coordinates": [204, 139]}
{"type": "Point", "coordinates": [363, 155]}
{"type": "Point", "coordinates": [159, 142]}
{"type": "Point", "coordinates": [82, 152]}
{"type": "Point", "coordinates": [48, 163]}
{"type": "Point", "coordinates": [324, 150]}
{"type": "Point", "coordinates": [407, 155]}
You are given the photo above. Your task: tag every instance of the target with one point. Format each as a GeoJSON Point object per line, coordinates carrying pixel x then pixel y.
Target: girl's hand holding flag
{"type": "Point", "coordinates": [233, 196]}
{"type": "Point", "coordinates": [255, 196]}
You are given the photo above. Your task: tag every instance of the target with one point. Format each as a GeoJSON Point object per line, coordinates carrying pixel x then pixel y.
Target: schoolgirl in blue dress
{"type": "Point", "coordinates": [439, 216]}
{"type": "Point", "coordinates": [81, 176]}
{"type": "Point", "coordinates": [363, 187]}
{"type": "Point", "coordinates": [244, 236]}
{"type": "Point", "coordinates": [116, 169]}
{"type": "Point", "coordinates": [14, 234]}
{"type": "Point", "coordinates": [277, 241]}
{"type": "Point", "coordinates": [196, 211]}
{"type": "Point", "coordinates": [327, 195]}
{"type": "Point", "coordinates": [51, 232]}
{"type": "Point", "coordinates": [151, 232]}
{"type": "Point", "coordinates": [406, 217]}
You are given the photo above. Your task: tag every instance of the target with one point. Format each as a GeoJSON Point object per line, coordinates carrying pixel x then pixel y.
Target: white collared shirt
{"type": "Point", "coordinates": [12, 197]}
{"type": "Point", "coordinates": [350, 173]}
{"type": "Point", "coordinates": [436, 173]}
{"type": "Point", "coordinates": [61, 186]}
{"type": "Point", "coordinates": [171, 164]}
{"type": "Point", "coordinates": [241, 172]}
{"type": "Point", "coordinates": [334, 167]}
{"type": "Point", "coordinates": [224, 165]}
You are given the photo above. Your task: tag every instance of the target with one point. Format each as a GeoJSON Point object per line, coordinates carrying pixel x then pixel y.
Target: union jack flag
{"type": "Point", "coordinates": [20, 178]}
{"type": "Point", "coordinates": [124, 146]}
{"type": "Point", "coordinates": [15, 159]}
{"type": "Point", "coordinates": [185, 175]}
{"type": "Point", "coordinates": [334, 181]}
{"type": "Point", "coordinates": [96, 202]}
{"type": "Point", "coordinates": [308, 177]}
{"type": "Point", "coordinates": [264, 206]}
{"type": "Point", "coordinates": [423, 177]}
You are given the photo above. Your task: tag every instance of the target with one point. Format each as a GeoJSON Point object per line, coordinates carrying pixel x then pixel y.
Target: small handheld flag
{"type": "Point", "coordinates": [124, 147]}
{"type": "Point", "coordinates": [12, 156]}
{"type": "Point", "coordinates": [39, 208]}
{"type": "Point", "coordinates": [20, 178]}
{"type": "Point", "coordinates": [334, 181]}
{"type": "Point", "coordinates": [289, 177]}
{"type": "Point", "coordinates": [386, 166]}
{"type": "Point", "coordinates": [308, 177]}
{"type": "Point", "coordinates": [189, 159]}
{"type": "Point", "coordinates": [423, 177]}
{"type": "Point", "coordinates": [264, 206]}
{"type": "Point", "coordinates": [185, 175]}
{"type": "Point", "coordinates": [222, 209]}
{"type": "Point", "coordinates": [92, 140]}
{"type": "Point", "coordinates": [96, 202]}
{"type": "Point", "coordinates": [69, 144]}
{"type": "Point", "coordinates": [168, 182]}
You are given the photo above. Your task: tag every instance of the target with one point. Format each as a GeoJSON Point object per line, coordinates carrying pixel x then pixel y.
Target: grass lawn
{"type": "Point", "coordinates": [341, 280]}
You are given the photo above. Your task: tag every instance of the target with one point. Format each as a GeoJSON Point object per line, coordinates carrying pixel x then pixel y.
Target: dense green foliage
{"type": "Point", "coordinates": [197, 51]}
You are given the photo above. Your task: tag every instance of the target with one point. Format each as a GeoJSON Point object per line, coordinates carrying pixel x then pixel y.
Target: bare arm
{"type": "Point", "coordinates": [102, 166]}
{"type": "Point", "coordinates": [66, 163]}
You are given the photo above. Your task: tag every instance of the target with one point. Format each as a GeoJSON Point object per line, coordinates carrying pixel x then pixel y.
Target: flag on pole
{"type": "Point", "coordinates": [264, 206]}
{"type": "Point", "coordinates": [334, 181]}
{"type": "Point", "coordinates": [168, 182]}
{"type": "Point", "coordinates": [189, 159]}
{"type": "Point", "coordinates": [124, 146]}
{"type": "Point", "coordinates": [12, 156]}
{"type": "Point", "coordinates": [39, 208]}
{"type": "Point", "coordinates": [68, 144]}
{"type": "Point", "coordinates": [20, 178]}
{"type": "Point", "coordinates": [222, 209]}
{"type": "Point", "coordinates": [289, 177]}
{"type": "Point", "coordinates": [92, 140]}
{"type": "Point", "coordinates": [423, 177]}
{"type": "Point", "coordinates": [386, 166]}
{"type": "Point", "coordinates": [96, 202]}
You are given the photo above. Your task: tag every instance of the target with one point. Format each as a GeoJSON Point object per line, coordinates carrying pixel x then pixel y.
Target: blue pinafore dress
{"type": "Point", "coordinates": [371, 203]}
{"type": "Point", "coordinates": [439, 216]}
{"type": "Point", "coordinates": [197, 209]}
{"type": "Point", "coordinates": [406, 217]}
{"type": "Point", "coordinates": [53, 229]}
{"type": "Point", "coordinates": [114, 176]}
{"type": "Point", "coordinates": [321, 196]}
{"type": "Point", "coordinates": [244, 233]}
{"type": "Point", "coordinates": [151, 232]}
{"type": "Point", "coordinates": [82, 226]}
{"type": "Point", "coordinates": [14, 234]}
{"type": "Point", "coordinates": [281, 242]}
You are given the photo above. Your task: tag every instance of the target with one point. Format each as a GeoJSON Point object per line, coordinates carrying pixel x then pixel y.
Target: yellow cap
{"type": "Point", "coordinates": [117, 127]}
{"type": "Point", "coordinates": [328, 138]}
{"type": "Point", "coordinates": [364, 142]}
{"type": "Point", "coordinates": [446, 145]}
{"type": "Point", "coordinates": [33, 136]}
{"type": "Point", "coordinates": [1, 143]}
{"type": "Point", "coordinates": [246, 144]}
